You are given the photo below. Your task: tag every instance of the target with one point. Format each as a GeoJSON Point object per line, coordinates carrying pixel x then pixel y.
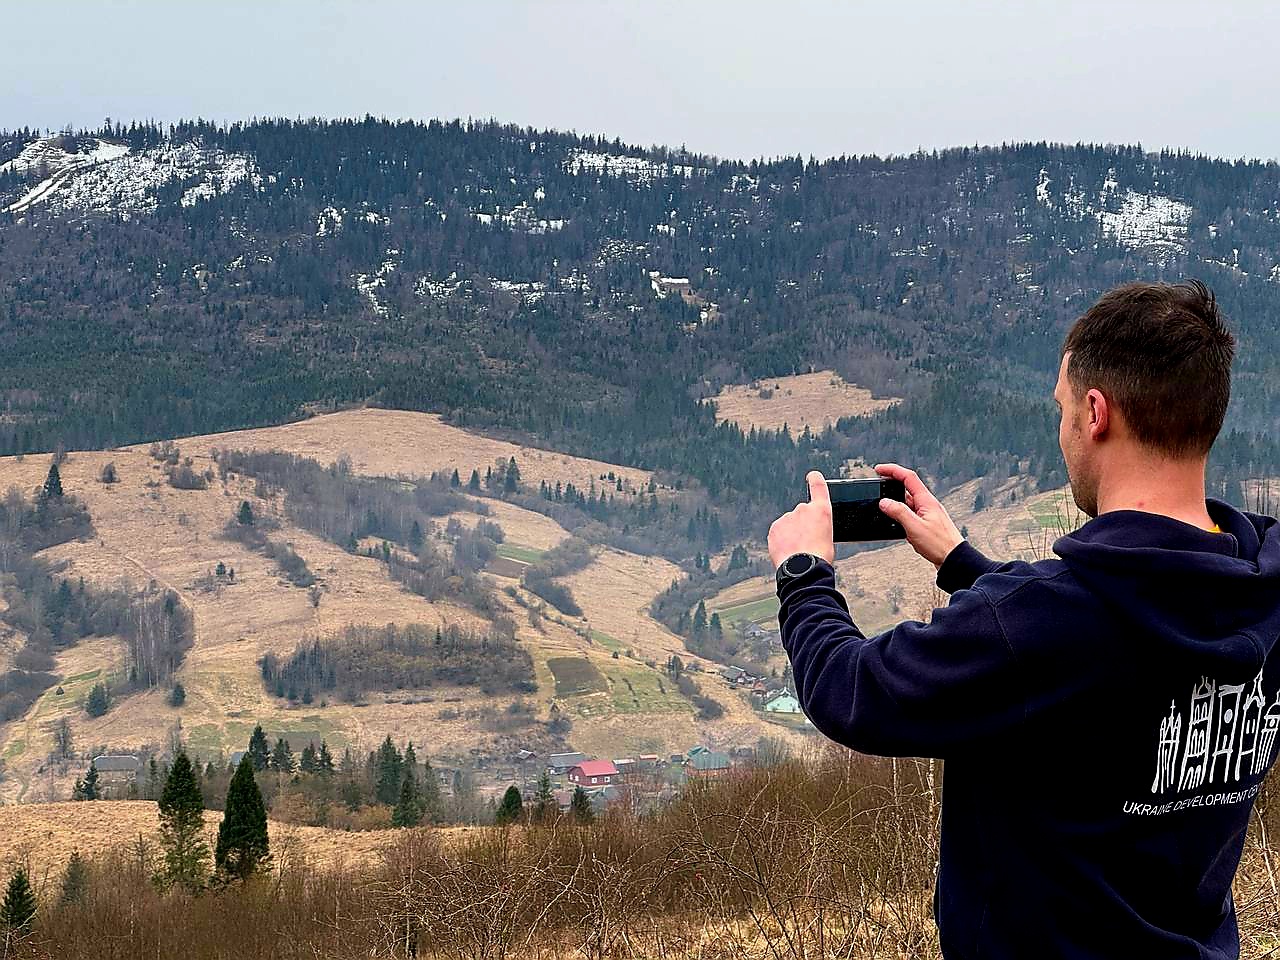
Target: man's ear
{"type": "Point", "coordinates": [1099, 417]}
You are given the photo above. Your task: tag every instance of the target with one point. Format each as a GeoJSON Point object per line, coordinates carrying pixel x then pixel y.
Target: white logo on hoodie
{"type": "Point", "coordinates": [1230, 734]}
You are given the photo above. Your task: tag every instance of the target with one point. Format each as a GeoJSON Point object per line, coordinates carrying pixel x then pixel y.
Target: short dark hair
{"type": "Point", "coordinates": [1161, 354]}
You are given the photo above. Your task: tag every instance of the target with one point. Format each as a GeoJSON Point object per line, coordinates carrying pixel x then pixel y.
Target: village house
{"type": "Point", "coordinates": [783, 702]}
{"type": "Point", "coordinates": [593, 773]}
{"type": "Point", "coordinates": [561, 763]}
{"type": "Point", "coordinates": [116, 772]}
{"type": "Point", "coordinates": [626, 765]}
{"type": "Point", "coordinates": [707, 764]}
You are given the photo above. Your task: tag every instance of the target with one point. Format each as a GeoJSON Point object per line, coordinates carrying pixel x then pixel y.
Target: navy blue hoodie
{"type": "Point", "coordinates": [1106, 718]}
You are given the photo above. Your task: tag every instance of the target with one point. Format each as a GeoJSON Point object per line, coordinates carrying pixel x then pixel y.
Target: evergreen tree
{"type": "Point", "coordinates": [407, 812]}
{"type": "Point", "coordinates": [259, 752]}
{"type": "Point", "coordinates": [580, 806]}
{"type": "Point", "coordinates": [75, 879]}
{"type": "Point", "coordinates": [429, 793]}
{"type": "Point", "coordinates": [390, 771]}
{"type": "Point", "coordinates": [455, 481]}
{"type": "Point", "coordinates": [700, 619]}
{"type": "Point", "coordinates": [415, 537]}
{"type": "Point", "coordinates": [186, 853]}
{"type": "Point", "coordinates": [19, 907]}
{"type": "Point", "coordinates": [474, 483]}
{"type": "Point", "coordinates": [307, 763]}
{"type": "Point", "coordinates": [242, 845]}
{"type": "Point", "coordinates": [717, 632]}
{"type": "Point", "coordinates": [52, 489]}
{"type": "Point", "coordinates": [512, 482]}
{"type": "Point", "coordinates": [511, 807]}
{"type": "Point", "coordinates": [245, 514]}
{"type": "Point", "coordinates": [87, 789]}
{"type": "Point", "coordinates": [98, 701]}
{"type": "Point", "coordinates": [178, 695]}
{"type": "Point", "coordinates": [545, 807]}
{"type": "Point", "coordinates": [324, 761]}
{"type": "Point", "coordinates": [282, 757]}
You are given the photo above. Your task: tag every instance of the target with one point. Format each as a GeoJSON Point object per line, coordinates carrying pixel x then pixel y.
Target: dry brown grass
{"type": "Point", "coordinates": [803, 400]}
{"type": "Point", "coordinates": [520, 526]}
{"type": "Point", "coordinates": [43, 835]}
{"type": "Point", "coordinates": [402, 442]}
{"type": "Point", "coordinates": [147, 530]}
{"type": "Point", "coordinates": [829, 855]}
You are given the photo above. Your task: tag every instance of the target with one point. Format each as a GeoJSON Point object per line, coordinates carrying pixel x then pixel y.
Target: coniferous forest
{"type": "Point", "coordinates": [511, 280]}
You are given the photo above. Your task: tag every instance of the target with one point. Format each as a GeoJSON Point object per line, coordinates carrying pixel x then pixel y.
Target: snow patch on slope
{"type": "Point", "coordinates": [1133, 219]}
{"type": "Point", "coordinates": [1145, 219]}
{"type": "Point", "coordinates": [110, 177]}
{"type": "Point", "coordinates": [640, 169]}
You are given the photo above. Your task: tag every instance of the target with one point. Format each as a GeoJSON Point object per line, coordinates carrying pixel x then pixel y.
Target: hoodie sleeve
{"type": "Point", "coordinates": [919, 689]}
{"type": "Point", "coordinates": [962, 566]}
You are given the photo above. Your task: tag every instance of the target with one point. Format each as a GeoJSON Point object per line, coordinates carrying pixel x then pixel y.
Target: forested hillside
{"type": "Point", "coordinates": [156, 282]}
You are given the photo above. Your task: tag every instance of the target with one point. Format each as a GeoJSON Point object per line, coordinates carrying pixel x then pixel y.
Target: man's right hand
{"type": "Point", "coordinates": [929, 528]}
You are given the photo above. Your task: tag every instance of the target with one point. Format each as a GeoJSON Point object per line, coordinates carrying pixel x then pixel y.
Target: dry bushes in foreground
{"type": "Point", "coordinates": [829, 857]}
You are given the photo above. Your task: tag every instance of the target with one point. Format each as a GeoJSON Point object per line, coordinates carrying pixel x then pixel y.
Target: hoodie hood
{"type": "Point", "coordinates": [1219, 592]}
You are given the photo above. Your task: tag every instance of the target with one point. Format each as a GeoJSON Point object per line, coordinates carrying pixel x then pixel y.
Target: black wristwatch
{"type": "Point", "coordinates": [796, 565]}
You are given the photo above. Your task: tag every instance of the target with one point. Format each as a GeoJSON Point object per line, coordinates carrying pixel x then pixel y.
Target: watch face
{"type": "Point", "coordinates": [798, 564]}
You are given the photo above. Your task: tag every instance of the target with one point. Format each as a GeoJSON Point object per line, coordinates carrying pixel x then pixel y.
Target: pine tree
{"type": "Point", "coordinates": [178, 695]}
{"type": "Point", "coordinates": [407, 812]}
{"type": "Point", "coordinates": [545, 807]}
{"type": "Point", "coordinates": [242, 845]}
{"type": "Point", "coordinates": [429, 793]}
{"type": "Point", "coordinates": [259, 752]}
{"type": "Point", "coordinates": [98, 701]}
{"type": "Point", "coordinates": [87, 789]}
{"type": "Point", "coordinates": [455, 481]}
{"type": "Point", "coordinates": [474, 483]}
{"type": "Point", "coordinates": [415, 537]}
{"type": "Point", "coordinates": [75, 879]}
{"type": "Point", "coordinates": [245, 514]}
{"type": "Point", "coordinates": [324, 762]}
{"type": "Point", "coordinates": [282, 757]}
{"type": "Point", "coordinates": [19, 907]}
{"type": "Point", "coordinates": [186, 853]}
{"type": "Point", "coordinates": [307, 763]}
{"type": "Point", "coordinates": [390, 772]}
{"type": "Point", "coordinates": [511, 807]}
{"type": "Point", "coordinates": [580, 806]}
{"type": "Point", "coordinates": [700, 619]}
{"type": "Point", "coordinates": [512, 482]}
{"type": "Point", "coordinates": [52, 489]}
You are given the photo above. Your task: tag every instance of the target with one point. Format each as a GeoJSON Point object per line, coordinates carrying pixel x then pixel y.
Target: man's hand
{"type": "Point", "coordinates": [807, 528]}
{"type": "Point", "coordinates": [929, 529]}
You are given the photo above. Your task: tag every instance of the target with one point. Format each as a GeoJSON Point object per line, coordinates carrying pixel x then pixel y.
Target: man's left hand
{"type": "Point", "coordinates": [807, 528]}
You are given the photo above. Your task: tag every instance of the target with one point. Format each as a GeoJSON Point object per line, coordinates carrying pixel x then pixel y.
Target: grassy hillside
{"type": "Point", "coordinates": [149, 531]}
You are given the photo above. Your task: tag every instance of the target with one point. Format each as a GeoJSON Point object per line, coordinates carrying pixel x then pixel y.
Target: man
{"type": "Point", "coordinates": [1106, 715]}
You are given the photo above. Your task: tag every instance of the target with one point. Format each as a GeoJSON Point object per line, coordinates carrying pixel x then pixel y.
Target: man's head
{"type": "Point", "coordinates": [1145, 375]}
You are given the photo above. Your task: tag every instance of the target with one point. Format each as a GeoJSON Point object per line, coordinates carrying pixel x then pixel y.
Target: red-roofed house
{"type": "Point", "coordinates": [593, 773]}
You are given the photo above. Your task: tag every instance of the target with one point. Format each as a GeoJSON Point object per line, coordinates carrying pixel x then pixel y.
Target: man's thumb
{"type": "Point", "coordinates": [897, 510]}
{"type": "Point", "coordinates": [818, 492]}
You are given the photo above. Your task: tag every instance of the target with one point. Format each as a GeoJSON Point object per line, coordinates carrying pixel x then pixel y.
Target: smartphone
{"type": "Point", "coordinates": [855, 509]}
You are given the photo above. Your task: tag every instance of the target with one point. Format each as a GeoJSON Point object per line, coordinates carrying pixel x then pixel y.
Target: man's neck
{"type": "Point", "coordinates": [1168, 488]}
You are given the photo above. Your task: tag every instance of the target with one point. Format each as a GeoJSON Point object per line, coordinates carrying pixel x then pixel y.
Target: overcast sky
{"type": "Point", "coordinates": [736, 79]}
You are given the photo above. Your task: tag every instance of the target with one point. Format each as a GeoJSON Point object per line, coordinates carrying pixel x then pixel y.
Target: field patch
{"type": "Point", "coordinates": [576, 676]}
{"type": "Point", "coordinates": [805, 400]}
{"type": "Point", "coordinates": [514, 551]}
{"type": "Point", "coordinates": [635, 688]}
{"type": "Point", "coordinates": [751, 611]}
